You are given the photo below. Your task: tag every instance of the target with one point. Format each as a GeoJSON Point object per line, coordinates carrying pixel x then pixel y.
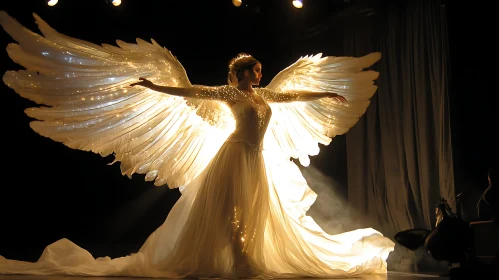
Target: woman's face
{"type": "Point", "coordinates": [255, 74]}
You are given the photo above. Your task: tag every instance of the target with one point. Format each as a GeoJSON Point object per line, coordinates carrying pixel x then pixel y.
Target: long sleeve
{"type": "Point", "coordinates": [222, 93]}
{"type": "Point", "coordinates": [285, 96]}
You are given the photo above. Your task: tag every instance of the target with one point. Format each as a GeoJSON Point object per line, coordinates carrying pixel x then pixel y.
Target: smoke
{"type": "Point", "coordinates": [334, 214]}
{"type": "Point", "coordinates": [331, 210]}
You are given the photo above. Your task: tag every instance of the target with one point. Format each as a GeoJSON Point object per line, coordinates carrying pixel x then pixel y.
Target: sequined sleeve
{"type": "Point", "coordinates": [277, 96]}
{"type": "Point", "coordinates": [221, 93]}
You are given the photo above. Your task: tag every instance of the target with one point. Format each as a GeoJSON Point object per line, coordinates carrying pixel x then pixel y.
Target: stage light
{"type": "Point", "coordinates": [114, 2]}
{"type": "Point", "coordinates": [237, 3]}
{"type": "Point", "coordinates": [52, 2]}
{"type": "Point", "coordinates": [298, 4]}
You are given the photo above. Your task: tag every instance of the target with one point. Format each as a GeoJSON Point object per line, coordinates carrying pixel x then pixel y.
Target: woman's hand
{"type": "Point", "coordinates": [337, 97]}
{"type": "Point", "coordinates": [143, 82]}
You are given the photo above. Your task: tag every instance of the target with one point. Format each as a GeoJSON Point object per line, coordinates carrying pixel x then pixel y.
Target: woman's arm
{"type": "Point", "coordinates": [222, 93]}
{"type": "Point", "coordinates": [278, 96]}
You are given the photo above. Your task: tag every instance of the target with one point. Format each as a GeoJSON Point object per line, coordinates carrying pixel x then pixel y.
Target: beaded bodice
{"type": "Point", "coordinates": [250, 110]}
{"type": "Point", "coordinates": [252, 115]}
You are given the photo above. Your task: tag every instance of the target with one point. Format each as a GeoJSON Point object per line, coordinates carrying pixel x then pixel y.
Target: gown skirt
{"type": "Point", "coordinates": [232, 221]}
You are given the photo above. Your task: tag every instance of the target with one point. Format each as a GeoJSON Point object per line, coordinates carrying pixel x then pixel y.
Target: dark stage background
{"type": "Point", "coordinates": [49, 191]}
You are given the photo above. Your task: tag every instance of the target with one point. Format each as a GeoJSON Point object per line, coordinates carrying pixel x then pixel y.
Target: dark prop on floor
{"type": "Point", "coordinates": [451, 240]}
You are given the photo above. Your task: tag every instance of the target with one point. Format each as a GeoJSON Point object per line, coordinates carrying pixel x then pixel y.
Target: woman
{"type": "Point", "coordinates": [236, 217]}
{"type": "Point", "coordinates": [233, 195]}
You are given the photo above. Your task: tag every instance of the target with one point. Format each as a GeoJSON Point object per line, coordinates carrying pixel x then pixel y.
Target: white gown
{"type": "Point", "coordinates": [242, 214]}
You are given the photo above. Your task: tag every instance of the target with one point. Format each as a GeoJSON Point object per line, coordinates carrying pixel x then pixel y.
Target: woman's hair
{"type": "Point", "coordinates": [238, 65]}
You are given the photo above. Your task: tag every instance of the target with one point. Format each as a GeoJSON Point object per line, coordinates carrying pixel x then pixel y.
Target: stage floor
{"type": "Point", "coordinates": [389, 276]}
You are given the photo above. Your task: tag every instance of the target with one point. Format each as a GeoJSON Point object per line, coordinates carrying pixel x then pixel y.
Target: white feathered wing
{"type": "Point", "coordinates": [297, 128]}
{"type": "Point", "coordinates": [92, 108]}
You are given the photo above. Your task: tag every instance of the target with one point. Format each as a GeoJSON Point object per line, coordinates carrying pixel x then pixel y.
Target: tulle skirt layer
{"type": "Point", "coordinates": [230, 222]}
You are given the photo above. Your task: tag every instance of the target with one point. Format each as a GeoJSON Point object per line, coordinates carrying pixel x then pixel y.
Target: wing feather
{"type": "Point", "coordinates": [87, 104]}
{"type": "Point", "coordinates": [297, 128]}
